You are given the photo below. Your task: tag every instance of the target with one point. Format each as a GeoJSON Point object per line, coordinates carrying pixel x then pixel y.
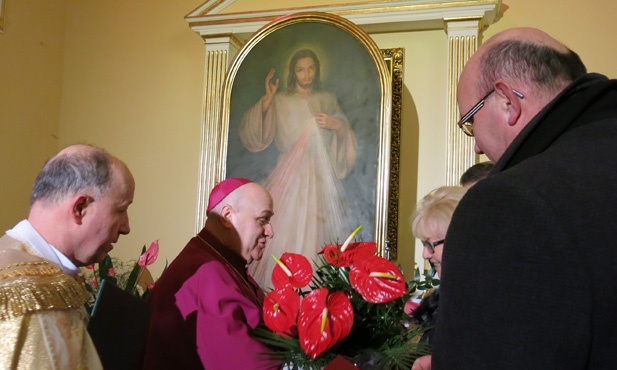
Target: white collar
{"type": "Point", "coordinates": [26, 233]}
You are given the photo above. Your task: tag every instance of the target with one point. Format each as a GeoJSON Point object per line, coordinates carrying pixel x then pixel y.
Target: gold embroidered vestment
{"type": "Point", "coordinates": [42, 317]}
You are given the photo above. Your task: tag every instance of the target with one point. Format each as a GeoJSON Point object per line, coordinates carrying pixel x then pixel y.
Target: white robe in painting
{"type": "Point", "coordinates": [310, 209]}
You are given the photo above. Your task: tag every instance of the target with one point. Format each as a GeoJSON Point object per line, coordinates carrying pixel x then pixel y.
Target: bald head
{"type": "Point", "coordinates": [243, 195]}
{"type": "Point", "coordinates": [525, 55]}
{"type": "Point", "coordinates": [530, 35]}
{"type": "Point", "coordinates": [236, 196]}
{"type": "Point", "coordinates": [518, 71]}
{"type": "Point", "coordinates": [241, 221]}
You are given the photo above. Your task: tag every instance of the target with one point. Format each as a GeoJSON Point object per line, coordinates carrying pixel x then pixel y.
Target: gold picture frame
{"type": "Point", "coordinates": [235, 98]}
{"type": "Point", "coordinates": [394, 58]}
{"type": "Point", "coordinates": [2, 14]}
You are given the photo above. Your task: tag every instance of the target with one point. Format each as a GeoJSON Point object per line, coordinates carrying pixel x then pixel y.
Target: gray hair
{"type": "Point", "coordinates": [535, 64]}
{"type": "Point", "coordinates": [70, 173]}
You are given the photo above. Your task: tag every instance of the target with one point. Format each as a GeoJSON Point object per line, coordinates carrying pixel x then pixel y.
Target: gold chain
{"type": "Point", "coordinates": [250, 286]}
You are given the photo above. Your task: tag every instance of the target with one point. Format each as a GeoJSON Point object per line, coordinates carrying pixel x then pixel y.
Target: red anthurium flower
{"type": "Point", "coordinates": [377, 280]}
{"type": "Point", "coordinates": [331, 253]}
{"type": "Point", "coordinates": [324, 320]}
{"type": "Point", "coordinates": [348, 251]}
{"type": "Point", "coordinates": [350, 238]}
{"type": "Point", "coordinates": [149, 256]}
{"type": "Point", "coordinates": [281, 308]}
{"type": "Point", "coordinates": [292, 268]}
{"type": "Point", "coordinates": [354, 252]}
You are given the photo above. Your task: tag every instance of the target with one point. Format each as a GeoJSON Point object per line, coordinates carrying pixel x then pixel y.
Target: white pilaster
{"type": "Point", "coordinates": [463, 34]}
{"type": "Point", "coordinates": [220, 50]}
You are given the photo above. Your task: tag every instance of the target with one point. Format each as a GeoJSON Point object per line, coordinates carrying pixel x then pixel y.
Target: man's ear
{"type": "Point", "coordinates": [513, 101]}
{"type": "Point", "coordinates": [79, 207]}
{"type": "Point", "coordinates": [226, 213]}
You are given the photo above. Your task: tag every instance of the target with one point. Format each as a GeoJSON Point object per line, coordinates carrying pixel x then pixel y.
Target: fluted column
{"type": "Point", "coordinates": [463, 34]}
{"type": "Point", "coordinates": [220, 51]}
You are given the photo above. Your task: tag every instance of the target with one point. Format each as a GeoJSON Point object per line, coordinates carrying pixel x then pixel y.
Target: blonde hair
{"type": "Point", "coordinates": [434, 212]}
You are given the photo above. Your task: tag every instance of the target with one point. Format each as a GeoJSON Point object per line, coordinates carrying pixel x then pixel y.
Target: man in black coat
{"type": "Point", "coordinates": [531, 265]}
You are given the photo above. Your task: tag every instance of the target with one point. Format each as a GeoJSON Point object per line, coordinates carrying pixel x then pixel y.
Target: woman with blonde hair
{"type": "Point", "coordinates": [429, 223]}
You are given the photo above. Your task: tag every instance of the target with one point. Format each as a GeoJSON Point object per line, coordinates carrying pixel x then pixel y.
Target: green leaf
{"type": "Point", "coordinates": [131, 283]}
{"type": "Point", "coordinates": [287, 351]}
{"type": "Point", "coordinates": [104, 268]}
{"type": "Point", "coordinates": [89, 288]}
{"type": "Point", "coordinates": [402, 356]}
{"type": "Point", "coordinates": [146, 294]}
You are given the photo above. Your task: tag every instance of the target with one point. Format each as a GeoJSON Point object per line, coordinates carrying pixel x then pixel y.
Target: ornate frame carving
{"type": "Point", "coordinates": [394, 58]}
{"type": "Point", "coordinates": [2, 12]}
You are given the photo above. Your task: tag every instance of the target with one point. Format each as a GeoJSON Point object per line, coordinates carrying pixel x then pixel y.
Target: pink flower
{"type": "Point", "coordinates": [111, 272]}
{"type": "Point", "coordinates": [149, 256]}
{"type": "Point", "coordinates": [410, 306]}
{"type": "Point", "coordinates": [90, 267]}
{"type": "Point", "coordinates": [150, 285]}
{"type": "Point", "coordinates": [94, 284]}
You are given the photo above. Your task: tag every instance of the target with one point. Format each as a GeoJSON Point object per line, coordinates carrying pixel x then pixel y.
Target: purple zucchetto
{"type": "Point", "coordinates": [223, 189]}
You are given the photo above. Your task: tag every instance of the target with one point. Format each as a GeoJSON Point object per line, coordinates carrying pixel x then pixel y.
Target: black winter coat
{"type": "Point", "coordinates": [530, 272]}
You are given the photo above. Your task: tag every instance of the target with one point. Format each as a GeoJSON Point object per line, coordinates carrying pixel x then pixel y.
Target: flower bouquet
{"type": "Point", "coordinates": [353, 308]}
{"type": "Point", "coordinates": [132, 276]}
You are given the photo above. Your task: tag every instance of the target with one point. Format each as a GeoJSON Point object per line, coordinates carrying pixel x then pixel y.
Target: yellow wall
{"type": "Point", "coordinates": [585, 27]}
{"type": "Point", "coordinates": [134, 85]}
{"type": "Point", "coordinates": [31, 50]}
{"type": "Point", "coordinates": [422, 130]}
{"type": "Point", "coordinates": [128, 76]}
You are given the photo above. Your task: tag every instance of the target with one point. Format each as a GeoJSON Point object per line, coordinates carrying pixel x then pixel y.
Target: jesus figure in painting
{"type": "Point", "coordinates": [317, 149]}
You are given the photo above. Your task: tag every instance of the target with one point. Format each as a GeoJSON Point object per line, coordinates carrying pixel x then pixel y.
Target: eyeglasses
{"type": "Point", "coordinates": [466, 122]}
{"type": "Point", "coordinates": [431, 245]}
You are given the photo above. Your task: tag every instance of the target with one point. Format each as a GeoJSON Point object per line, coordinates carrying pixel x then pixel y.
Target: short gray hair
{"type": "Point", "coordinates": [535, 64]}
{"type": "Point", "coordinates": [70, 173]}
